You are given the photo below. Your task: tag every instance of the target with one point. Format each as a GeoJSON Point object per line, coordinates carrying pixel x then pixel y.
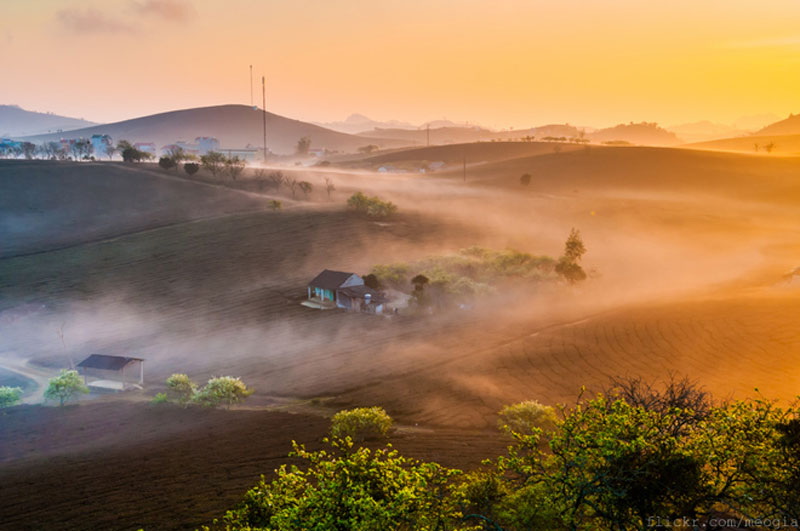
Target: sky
{"type": "Point", "coordinates": [500, 63]}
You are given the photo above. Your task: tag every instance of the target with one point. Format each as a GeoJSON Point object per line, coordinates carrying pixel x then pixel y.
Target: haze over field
{"type": "Point", "coordinates": [529, 204]}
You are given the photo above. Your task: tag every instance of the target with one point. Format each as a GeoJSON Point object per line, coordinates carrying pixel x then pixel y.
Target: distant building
{"type": "Point", "coordinates": [105, 373]}
{"type": "Point", "coordinates": [339, 289]}
{"type": "Point", "coordinates": [248, 154]}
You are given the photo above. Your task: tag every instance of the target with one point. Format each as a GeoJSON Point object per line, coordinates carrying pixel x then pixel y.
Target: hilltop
{"type": "Point", "coordinates": [236, 126]}
{"type": "Point", "coordinates": [16, 121]}
{"type": "Point", "coordinates": [789, 126]}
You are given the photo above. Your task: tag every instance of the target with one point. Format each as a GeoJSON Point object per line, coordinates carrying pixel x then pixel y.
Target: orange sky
{"type": "Point", "coordinates": [501, 63]}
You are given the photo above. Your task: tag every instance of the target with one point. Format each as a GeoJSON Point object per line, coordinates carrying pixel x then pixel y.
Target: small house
{"type": "Point", "coordinates": [339, 289]}
{"type": "Point", "coordinates": [108, 373]}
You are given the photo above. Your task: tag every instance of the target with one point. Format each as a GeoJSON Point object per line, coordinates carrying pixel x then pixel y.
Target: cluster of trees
{"type": "Point", "coordinates": [218, 391]}
{"type": "Point", "coordinates": [373, 207]}
{"type": "Point", "coordinates": [81, 149]}
{"type": "Point", "coordinates": [457, 278]}
{"type": "Point", "coordinates": [634, 457]}
{"type": "Point", "coordinates": [276, 180]}
{"type": "Point", "coordinates": [218, 164]}
{"type": "Point", "coordinates": [767, 147]}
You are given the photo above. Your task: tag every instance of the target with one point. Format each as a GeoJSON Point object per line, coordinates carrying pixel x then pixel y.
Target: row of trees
{"type": "Point", "coordinates": [218, 391]}
{"type": "Point", "coordinates": [633, 457]}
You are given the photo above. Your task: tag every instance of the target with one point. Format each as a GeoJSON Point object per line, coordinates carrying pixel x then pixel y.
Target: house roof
{"type": "Point", "coordinates": [330, 279]}
{"type": "Point", "coordinates": [106, 363]}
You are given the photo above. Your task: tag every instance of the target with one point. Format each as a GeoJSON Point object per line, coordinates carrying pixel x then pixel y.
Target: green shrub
{"type": "Point", "coordinates": [223, 390]}
{"type": "Point", "coordinates": [373, 207]}
{"type": "Point", "coordinates": [191, 168]}
{"type": "Point", "coordinates": [361, 423]}
{"type": "Point", "coordinates": [65, 387]}
{"type": "Point", "coordinates": [166, 163]}
{"type": "Point", "coordinates": [160, 398]}
{"type": "Point", "coordinates": [394, 275]}
{"type": "Point", "coordinates": [9, 396]}
{"type": "Point", "coordinates": [526, 417]}
{"type": "Point", "coordinates": [275, 204]}
{"type": "Point", "coordinates": [181, 388]}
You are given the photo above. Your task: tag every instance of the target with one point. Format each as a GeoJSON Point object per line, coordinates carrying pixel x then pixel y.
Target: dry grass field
{"type": "Point", "coordinates": [687, 251]}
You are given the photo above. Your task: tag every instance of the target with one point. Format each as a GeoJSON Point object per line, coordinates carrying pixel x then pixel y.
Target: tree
{"type": "Point", "coordinates": [234, 166]}
{"type": "Point", "coordinates": [305, 187]}
{"type": "Point", "coordinates": [349, 488]}
{"type": "Point", "coordinates": [361, 423]}
{"type": "Point", "coordinates": [292, 183]}
{"type": "Point", "coordinates": [769, 147]}
{"type": "Point", "coordinates": [111, 150]}
{"type": "Point", "coordinates": [177, 154]}
{"type": "Point", "coordinates": [65, 387]}
{"type": "Point", "coordinates": [567, 266]}
{"type": "Point", "coordinates": [28, 150]}
{"type": "Point", "coordinates": [277, 179]}
{"type": "Point", "coordinates": [130, 153]}
{"type": "Point", "coordinates": [213, 161]}
{"type": "Point", "coordinates": [419, 282]}
{"type": "Point", "coordinates": [181, 388]}
{"type": "Point", "coordinates": [329, 186]}
{"type": "Point", "coordinates": [9, 396]}
{"type": "Point", "coordinates": [525, 179]}
{"type": "Point", "coordinates": [368, 149]}
{"type": "Point", "coordinates": [191, 168]}
{"type": "Point", "coordinates": [275, 204]}
{"type": "Point", "coordinates": [303, 145]}
{"type": "Point", "coordinates": [371, 281]}
{"type": "Point", "coordinates": [371, 206]}
{"type": "Point", "coordinates": [526, 417]}
{"type": "Point", "coordinates": [166, 163]}
{"type": "Point", "coordinates": [223, 390]}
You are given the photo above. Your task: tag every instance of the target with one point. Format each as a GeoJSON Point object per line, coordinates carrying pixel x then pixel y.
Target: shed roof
{"type": "Point", "coordinates": [106, 363]}
{"type": "Point", "coordinates": [330, 279]}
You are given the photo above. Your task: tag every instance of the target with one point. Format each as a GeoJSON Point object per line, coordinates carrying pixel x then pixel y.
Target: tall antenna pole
{"type": "Point", "coordinates": [251, 85]}
{"type": "Point", "coordinates": [264, 99]}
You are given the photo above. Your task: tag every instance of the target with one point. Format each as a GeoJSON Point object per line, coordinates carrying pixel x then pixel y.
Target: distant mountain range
{"type": "Point", "coordinates": [360, 124]}
{"type": "Point", "coordinates": [235, 126]}
{"type": "Point", "coordinates": [15, 121]}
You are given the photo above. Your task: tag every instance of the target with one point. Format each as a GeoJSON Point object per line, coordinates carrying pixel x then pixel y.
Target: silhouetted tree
{"type": "Point", "coordinates": [213, 161]}
{"type": "Point", "coordinates": [166, 163]}
{"type": "Point", "coordinates": [329, 187]}
{"type": "Point", "coordinates": [305, 187]}
{"type": "Point", "coordinates": [303, 145]}
{"type": "Point", "coordinates": [191, 168]}
{"type": "Point", "coordinates": [525, 179]}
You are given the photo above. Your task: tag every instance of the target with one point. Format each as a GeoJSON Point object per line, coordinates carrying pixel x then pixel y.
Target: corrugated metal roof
{"type": "Point", "coordinates": [106, 363]}
{"type": "Point", "coordinates": [330, 279]}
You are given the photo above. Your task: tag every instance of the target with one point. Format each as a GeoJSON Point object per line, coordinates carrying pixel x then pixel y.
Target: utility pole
{"type": "Point", "coordinates": [251, 85]}
{"type": "Point", "coordinates": [264, 99]}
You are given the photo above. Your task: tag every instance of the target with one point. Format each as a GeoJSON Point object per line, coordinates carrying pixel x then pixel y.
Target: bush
{"type": "Point", "coordinates": [181, 388]}
{"type": "Point", "coordinates": [160, 398]}
{"type": "Point", "coordinates": [223, 390]}
{"type": "Point", "coordinates": [372, 207]}
{"type": "Point", "coordinates": [526, 418]}
{"type": "Point", "coordinates": [9, 396]}
{"type": "Point", "coordinates": [65, 387]}
{"type": "Point", "coordinates": [361, 423]}
{"type": "Point", "coordinates": [275, 204]}
{"type": "Point", "coordinates": [166, 163]}
{"type": "Point", "coordinates": [191, 168]}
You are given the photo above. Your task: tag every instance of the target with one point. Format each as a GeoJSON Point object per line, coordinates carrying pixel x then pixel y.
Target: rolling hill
{"type": "Point", "coordinates": [15, 121]}
{"type": "Point", "coordinates": [789, 126]}
{"type": "Point", "coordinates": [648, 134]}
{"type": "Point", "coordinates": [236, 126]}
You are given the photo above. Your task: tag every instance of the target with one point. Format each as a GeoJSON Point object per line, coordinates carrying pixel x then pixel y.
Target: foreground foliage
{"type": "Point", "coordinates": [632, 458]}
{"type": "Point", "coordinates": [373, 207]}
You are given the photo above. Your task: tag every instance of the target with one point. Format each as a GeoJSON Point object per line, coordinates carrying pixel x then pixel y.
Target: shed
{"type": "Point", "coordinates": [340, 289]}
{"type": "Point", "coordinates": [108, 373]}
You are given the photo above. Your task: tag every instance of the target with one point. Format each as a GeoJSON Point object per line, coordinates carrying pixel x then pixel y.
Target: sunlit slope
{"type": "Point", "coordinates": [776, 144]}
